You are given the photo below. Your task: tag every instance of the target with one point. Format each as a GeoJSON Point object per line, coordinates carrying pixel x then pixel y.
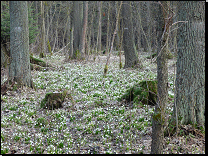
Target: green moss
{"type": "Point", "coordinates": [77, 54]}
{"type": "Point", "coordinates": [105, 69]}
{"type": "Point", "coordinates": [144, 91]}
{"type": "Point", "coordinates": [54, 100]}
{"type": "Point", "coordinates": [41, 55]}
{"type": "Point", "coordinates": [157, 117]}
{"type": "Point", "coordinates": [43, 102]}
{"type": "Point", "coordinates": [31, 66]}
{"type": "Point", "coordinates": [120, 65]}
{"type": "Point", "coordinates": [49, 47]}
{"type": "Point", "coordinates": [37, 61]}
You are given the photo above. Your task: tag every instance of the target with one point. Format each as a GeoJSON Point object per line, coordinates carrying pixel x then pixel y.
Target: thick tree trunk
{"type": "Point", "coordinates": [77, 21]}
{"type": "Point", "coordinates": [131, 58]}
{"type": "Point", "coordinates": [190, 76]}
{"type": "Point", "coordinates": [19, 69]}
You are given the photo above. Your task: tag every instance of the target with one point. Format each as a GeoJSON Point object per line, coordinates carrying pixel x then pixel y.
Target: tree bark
{"type": "Point", "coordinates": [131, 58]}
{"type": "Point", "coordinates": [90, 36]}
{"type": "Point", "coordinates": [84, 29]}
{"type": "Point", "coordinates": [68, 27]}
{"type": "Point", "coordinates": [98, 49]}
{"type": "Point", "coordinates": [190, 75]}
{"type": "Point", "coordinates": [158, 118]}
{"type": "Point", "coordinates": [115, 31]}
{"type": "Point", "coordinates": [108, 26]}
{"type": "Point", "coordinates": [19, 69]}
{"type": "Point", "coordinates": [77, 21]}
{"type": "Point", "coordinates": [42, 30]}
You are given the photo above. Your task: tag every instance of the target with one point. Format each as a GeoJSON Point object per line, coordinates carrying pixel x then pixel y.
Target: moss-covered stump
{"type": "Point", "coordinates": [144, 91]}
{"type": "Point", "coordinates": [53, 100]}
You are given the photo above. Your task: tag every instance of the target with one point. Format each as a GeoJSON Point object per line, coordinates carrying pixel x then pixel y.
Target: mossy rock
{"type": "Point", "coordinates": [53, 100]}
{"type": "Point", "coordinates": [144, 91]}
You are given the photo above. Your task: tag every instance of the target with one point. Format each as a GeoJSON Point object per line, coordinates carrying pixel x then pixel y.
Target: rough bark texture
{"type": "Point", "coordinates": [99, 25]}
{"type": "Point", "coordinates": [71, 41]}
{"type": "Point", "coordinates": [108, 26]}
{"type": "Point", "coordinates": [43, 47]}
{"type": "Point", "coordinates": [84, 28]}
{"type": "Point", "coordinates": [19, 69]}
{"type": "Point", "coordinates": [131, 58]}
{"type": "Point", "coordinates": [158, 117]}
{"type": "Point", "coordinates": [190, 76]}
{"type": "Point", "coordinates": [77, 20]}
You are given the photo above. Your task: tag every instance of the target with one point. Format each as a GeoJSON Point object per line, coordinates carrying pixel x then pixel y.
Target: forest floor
{"type": "Point", "coordinates": [98, 123]}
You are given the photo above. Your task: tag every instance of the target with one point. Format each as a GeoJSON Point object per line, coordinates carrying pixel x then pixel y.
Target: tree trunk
{"type": "Point", "coordinates": [68, 27]}
{"type": "Point", "coordinates": [149, 29]}
{"type": "Point", "coordinates": [158, 117]}
{"type": "Point", "coordinates": [90, 38]}
{"type": "Point", "coordinates": [190, 76]}
{"type": "Point", "coordinates": [19, 69]}
{"type": "Point", "coordinates": [108, 26]}
{"type": "Point", "coordinates": [131, 58]}
{"type": "Point", "coordinates": [77, 21]}
{"type": "Point", "coordinates": [42, 31]}
{"type": "Point", "coordinates": [111, 49]}
{"type": "Point", "coordinates": [84, 29]}
{"type": "Point", "coordinates": [98, 49]}
{"type": "Point", "coordinates": [118, 32]}
{"type": "Point", "coordinates": [71, 41]}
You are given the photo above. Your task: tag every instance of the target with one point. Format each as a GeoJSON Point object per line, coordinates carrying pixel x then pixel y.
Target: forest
{"type": "Point", "coordinates": [102, 77]}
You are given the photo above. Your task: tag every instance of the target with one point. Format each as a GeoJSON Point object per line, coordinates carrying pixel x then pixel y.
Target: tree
{"type": "Point", "coordinates": [91, 23]}
{"type": "Point", "coordinates": [108, 26]}
{"type": "Point", "coordinates": [158, 117]}
{"type": "Point", "coordinates": [19, 69]}
{"type": "Point", "coordinates": [131, 57]}
{"type": "Point", "coordinates": [5, 31]}
{"type": "Point", "coordinates": [84, 28]}
{"type": "Point", "coordinates": [42, 30]}
{"type": "Point", "coordinates": [77, 23]}
{"type": "Point", "coordinates": [99, 26]}
{"type": "Point", "coordinates": [115, 31]}
{"type": "Point", "coordinates": [190, 76]}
